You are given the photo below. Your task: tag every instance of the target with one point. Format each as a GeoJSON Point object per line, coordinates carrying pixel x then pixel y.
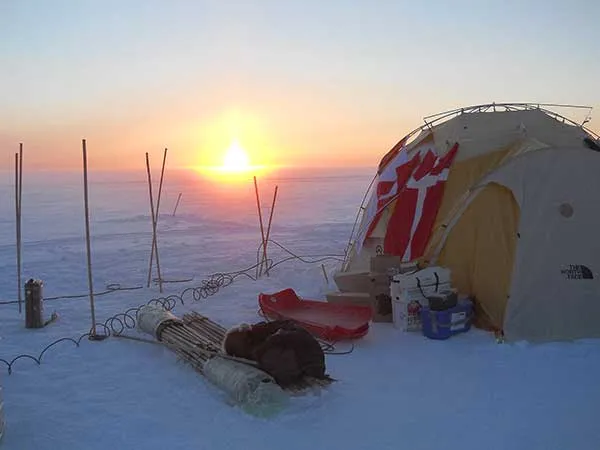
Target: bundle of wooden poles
{"type": "Point", "coordinates": [196, 338]}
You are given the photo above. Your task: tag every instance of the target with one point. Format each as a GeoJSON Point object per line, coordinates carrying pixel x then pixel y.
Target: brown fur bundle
{"type": "Point", "coordinates": [281, 348]}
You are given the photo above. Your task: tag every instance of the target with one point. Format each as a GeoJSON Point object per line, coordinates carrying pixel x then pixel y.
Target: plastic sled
{"type": "Point", "coordinates": [329, 321]}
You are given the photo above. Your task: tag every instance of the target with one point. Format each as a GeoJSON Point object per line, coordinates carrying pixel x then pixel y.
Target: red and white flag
{"type": "Point", "coordinates": [422, 181]}
{"type": "Point", "coordinates": [386, 188]}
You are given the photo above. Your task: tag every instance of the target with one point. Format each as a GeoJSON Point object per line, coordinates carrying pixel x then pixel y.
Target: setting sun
{"type": "Point", "coordinates": [236, 164]}
{"type": "Point", "coordinates": [233, 145]}
{"type": "Point", "coordinates": [236, 159]}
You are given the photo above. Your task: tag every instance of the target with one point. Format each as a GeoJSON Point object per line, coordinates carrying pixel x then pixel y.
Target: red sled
{"type": "Point", "coordinates": [330, 321]}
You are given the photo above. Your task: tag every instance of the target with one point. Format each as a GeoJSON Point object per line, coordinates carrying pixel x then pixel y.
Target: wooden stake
{"type": "Point", "coordinates": [87, 240]}
{"type": "Point", "coordinates": [133, 338]}
{"type": "Point", "coordinates": [269, 228]}
{"type": "Point", "coordinates": [20, 215]}
{"type": "Point", "coordinates": [162, 173]}
{"type": "Point", "coordinates": [176, 204]}
{"type": "Point", "coordinates": [325, 274]}
{"type": "Point", "coordinates": [262, 230]}
{"type": "Point", "coordinates": [18, 190]}
{"type": "Point", "coordinates": [153, 217]}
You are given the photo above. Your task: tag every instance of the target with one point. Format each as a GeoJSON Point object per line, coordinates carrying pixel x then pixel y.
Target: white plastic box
{"type": "Point", "coordinates": [409, 293]}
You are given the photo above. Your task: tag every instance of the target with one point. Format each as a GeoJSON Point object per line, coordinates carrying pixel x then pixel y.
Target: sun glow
{"type": "Point", "coordinates": [236, 159]}
{"type": "Point", "coordinates": [236, 165]}
{"type": "Point", "coordinates": [233, 146]}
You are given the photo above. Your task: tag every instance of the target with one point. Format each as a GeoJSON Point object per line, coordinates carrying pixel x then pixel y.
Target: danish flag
{"type": "Point", "coordinates": [385, 190]}
{"type": "Point", "coordinates": [417, 204]}
{"type": "Point", "coordinates": [416, 186]}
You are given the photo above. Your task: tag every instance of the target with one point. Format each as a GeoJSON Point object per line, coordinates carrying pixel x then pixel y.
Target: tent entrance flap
{"type": "Point", "coordinates": [480, 250]}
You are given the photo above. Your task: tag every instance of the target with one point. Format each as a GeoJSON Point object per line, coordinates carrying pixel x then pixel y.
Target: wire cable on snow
{"type": "Point", "coordinates": [216, 280]}
{"type": "Point", "coordinates": [117, 324]}
{"type": "Point", "coordinates": [308, 259]}
{"type": "Point", "coordinates": [109, 289]}
{"type": "Point", "coordinates": [113, 326]}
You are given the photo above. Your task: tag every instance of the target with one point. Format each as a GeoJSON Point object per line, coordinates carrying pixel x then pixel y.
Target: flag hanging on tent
{"type": "Point", "coordinates": [385, 190]}
{"type": "Point", "coordinates": [421, 183]}
{"type": "Point", "coordinates": [391, 156]}
{"type": "Point", "coordinates": [415, 186]}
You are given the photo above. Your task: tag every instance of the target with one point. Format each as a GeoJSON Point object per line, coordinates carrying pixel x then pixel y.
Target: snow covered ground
{"type": "Point", "coordinates": [396, 390]}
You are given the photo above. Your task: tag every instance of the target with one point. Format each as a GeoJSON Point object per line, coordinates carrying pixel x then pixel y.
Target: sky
{"type": "Point", "coordinates": [306, 82]}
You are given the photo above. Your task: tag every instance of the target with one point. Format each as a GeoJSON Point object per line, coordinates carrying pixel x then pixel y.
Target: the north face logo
{"type": "Point", "coordinates": [577, 272]}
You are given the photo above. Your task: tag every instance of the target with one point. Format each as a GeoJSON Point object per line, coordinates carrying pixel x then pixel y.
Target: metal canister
{"type": "Point", "coordinates": [34, 304]}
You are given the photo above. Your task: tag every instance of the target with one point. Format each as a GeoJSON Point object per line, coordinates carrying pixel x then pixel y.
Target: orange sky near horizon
{"type": "Point", "coordinates": [297, 132]}
{"type": "Point", "coordinates": [300, 128]}
{"type": "Point", "coordinates": [335, 141]}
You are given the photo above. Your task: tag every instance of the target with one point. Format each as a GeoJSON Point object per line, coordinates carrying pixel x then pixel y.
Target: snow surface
{"type": "Point", "coordinates": [395, 390]}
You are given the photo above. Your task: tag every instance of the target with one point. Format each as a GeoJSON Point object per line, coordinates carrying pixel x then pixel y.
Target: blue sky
{"type": "Point", "coordinates": [301, 76]}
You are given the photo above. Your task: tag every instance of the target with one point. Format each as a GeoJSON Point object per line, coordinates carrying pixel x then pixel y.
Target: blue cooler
{"type": "Point", "coordinates": [444, 324]}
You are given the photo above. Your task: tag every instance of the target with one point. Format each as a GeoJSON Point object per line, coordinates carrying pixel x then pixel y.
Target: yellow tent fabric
{"type": "Point", "coordinates": [463, 176]}
{"type": "Point", "coordinates": [480, 251]}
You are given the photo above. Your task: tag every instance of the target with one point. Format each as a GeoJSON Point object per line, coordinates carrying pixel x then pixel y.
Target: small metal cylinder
{"type": "Point", "coordinates": [34, 304]}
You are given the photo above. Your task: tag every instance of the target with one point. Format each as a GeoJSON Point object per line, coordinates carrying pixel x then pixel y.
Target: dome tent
{"type": "Point", "coordinates": [507, 196]}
